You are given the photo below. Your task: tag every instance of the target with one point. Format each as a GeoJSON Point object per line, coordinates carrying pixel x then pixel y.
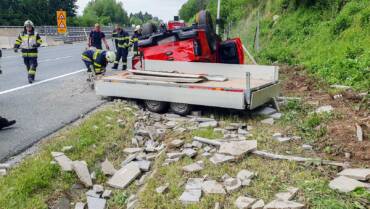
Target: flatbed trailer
{"type": "Point", "coordinates": [246, 87]}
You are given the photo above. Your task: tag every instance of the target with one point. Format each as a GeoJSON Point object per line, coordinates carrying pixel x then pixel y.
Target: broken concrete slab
{"type": "Point", "coordinates": [173, 155]}
{"type": "Point", "coordinates": [189, 152]}
{"type": "Point", "coordinates": [218, 158]}
{"type": "Point", "coordinates": [362, 174]}
{"type": "Point", "coordinates": [243, 132]}
{"type": "Point", "coordinates": [194, 167]}
{"type": "Point", "coordinates": [176, 143]}
{"type": "Point", "coordinates": [129, 159]}
{"type": "Point", "coordinates": [244, 202]}
{"type": "Point", "coordinates": [196, 144]}
{"type": "Point", "coordinates": [288, 195]}
{"type": "Point", "coordinates": [194, 184]}
{"type": "Point", "coordinates": [144, 165]}
{"type": "Point", "coordinates": [212, 187]}
{"type": "Point", "coordinates": [237, 148]}
{"type": "Point", "coordinates": [123, 177]}
{"type": "Point", "coordinates": [80, 167]}
{"type": "Point", "coordinates": [268, 121]}
{"type": "Point", "coordinates": [283, 204]}
{"type": "Point", "coordinates": [64, 162]}
{"type": "Point", "coordinates": [132, 202]}
{"type": "Point", "coordinates": [306, 147]}
{"type": "Point", "coordinates": [191, 196]}
{"type": "Point", "coordinates": [208, 124]}
{"type": "Point", "coordinates": [106, 194]}
{"type": "Point", "coordinates": [282, 138]}
{"type": "Point", "coordinates": [207, 141]}
{"type": "Point", "coordinates": [80, 205]}
{"type": "Point", "coordinates": [260, 204]}
{"type": "Point", "coordinates": [108, 168]}
{"type": "Point", "coordinates": [96, 203]}
{"type": "Point", "coordinates": [245, 177]}
{"type": "Point", "coordinates": [345, 184]}
{"type": "Point", "coordinates": [359, 133]}
{"type": "Point", "coordinates": [133, 150]}
{"type": "Point", "coordinates": [325, 109]}
{"type": "Point", "coordinates": [92, 193]}
{"type": "Point", "coordinates": [276, 116]}
{"type": "Point", "coordinates": [266, 111]}
{"type": "Point", "coordinates": [162, 189]}
{"type": "Point", "coordinates": [98, 188]}
{"type": "Point", "coordinates": [232, 184]}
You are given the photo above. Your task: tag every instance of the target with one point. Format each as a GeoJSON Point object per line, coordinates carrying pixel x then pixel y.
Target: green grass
{"type": "Point", "coordinates": [36, 182]}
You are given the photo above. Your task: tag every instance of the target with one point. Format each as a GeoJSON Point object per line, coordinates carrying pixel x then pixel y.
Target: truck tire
{"type": "Point", "coordinates": [180, 108]}
{"type": "Point", "coordinates": [204, 20]}
{"type": "Point", "coordinates": [148, 29]}
{"type": "Point", "coordinates": [156, 106]}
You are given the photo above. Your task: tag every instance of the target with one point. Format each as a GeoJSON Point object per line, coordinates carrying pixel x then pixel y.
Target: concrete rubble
{"type": "Point", "coordinates": [80, 205]}
{"type": "Point", "coordinates": [324, 109]}
{"type": "Point", "coordinates": [268, 121]}
{"type": "Point", "coordinates": [132, 202]}
{"type": "Point", "coordinates": [244, 202]}
{"type": "Point", "coordinates": [288, 195]}
{"type": "Point", "coordinates": [80, 167]}
{"type": "Point", "coordinates": [359, 133]}
{"type": "Point", "coordinates": [345, 184]}
{"type": "Point", "coordinates": [245, 177]}
{"type": "Point", "coordinates": [107, 194]}
{"type": "Point", "coordinates": [218, 158]}
{"type": "Point", "coordinates": [361, 174]}
{"type": "Point", "coordinates": [108, 168]}
{"type": "Point", "coordinates": [266, 111]}
{"type": "Point", "coordinates": [237, 148]}
{"type": "Point", "coordinates": [232, 184]}
{"type": "Point", "coordinates": [98, 188]}
{"type": "Point", "coordinates": [283, 204]}
{"type": "Point", "coordinates": [260, 204]}
{"type": "Point", "coordinates": [96, 203]}
{"type": "Point", "coordinates": [212, 142]}
{"type": "Point", "coordinates": [162, 189]}
{"type": "Point", "coordinates": [194, 167]}
{"type": "Point", "coordinates": [189, 152]}
{"type": "Point", "coordinates": [212, 187]}
{"type": "Point", "coordinates": [123, 177]}
{"type": "Point", "coordinates": [193, 191]}
{"type": "Point", "coordinates": [64, 162]}
{"type": "Point", "coordinates": [176, 143]}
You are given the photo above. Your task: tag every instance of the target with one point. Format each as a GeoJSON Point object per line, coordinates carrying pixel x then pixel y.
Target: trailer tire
{"type": "Point", "coordinates": [156, 106]}
{"type": "Point", "coordinates": [181, 109]}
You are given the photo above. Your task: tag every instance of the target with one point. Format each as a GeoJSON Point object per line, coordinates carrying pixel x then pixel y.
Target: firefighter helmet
{"type": "Point", "coordinates": [28, 23]}
{"type": "Point", "coordinates": [137, 28]}
{"type": "Point", "coordinates": [110, 56]}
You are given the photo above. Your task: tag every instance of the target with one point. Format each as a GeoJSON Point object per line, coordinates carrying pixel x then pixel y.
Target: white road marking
{"type": "Point", "coordinates": [54, 59]}
{"type": "Point", "coordinates": [40, 82]}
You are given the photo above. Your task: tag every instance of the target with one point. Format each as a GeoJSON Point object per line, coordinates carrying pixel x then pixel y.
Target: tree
{"type": "Point", "coordinates": [105, 12]}
{"type": "Point", "coordinates": [191, 8]}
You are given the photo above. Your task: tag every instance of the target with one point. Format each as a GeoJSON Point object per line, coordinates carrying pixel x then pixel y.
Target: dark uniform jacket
{"type": "Point", "coordinates": [95, 58]}
{"type": "Point", "coordinates": [123, 39]}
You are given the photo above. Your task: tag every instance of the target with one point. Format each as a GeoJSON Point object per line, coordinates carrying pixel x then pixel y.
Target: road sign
{"type": "Point", "coordinates": [62, 21]}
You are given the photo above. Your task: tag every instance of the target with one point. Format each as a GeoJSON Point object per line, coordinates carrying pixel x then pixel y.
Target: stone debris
{"type": "Point", "coordinates": [129, 159]}
{"type": "Point", "coordinates": [107, 194]}
{"type": "Point", "coordinates": [345, 184]}
{"type": "Point", "coordinates": [96, 203]}
{"type": "Point", "coordinates": [266, 111]}
{"type": "Point", "coordinates": [208, 124]}
{"type": "Point", "coordinates": [64, 162]}
{"type": "Point", "coordinates": [176, 143]}
{"type": "Point", "coordinates": [194, 167]}
{"type": "Point", "coordinates": [212, 142]}
{"type": "Point", "coordinates": [283, 204]}
{"type": "Point", "coordinates": [98, 188]}
{"type": "Point", "coordinates": [92, 193]}
{"type": "Point", "coordinates": [196, 144]}
{"type": "Point", "coordinates": [123, 177]}
{"type": "Point", "coordinates": [194, 183]}
{"type": "Point", "coordinates": [132, 202]}
{"type": "Point", "coordinates": [3, 172]}
{"type": "Point", "coordinates": [144, 165]}
{"type": "Point", "coordinates": [212, 187]}
{"type": "Point", "coordinates": [276, 116]}
{"type": "Point", "coordinates": [67, 148]}
{"type": "Point", "coordinates": [340, 87]}
{"type": "Point", "coordinates": [362, 174]}
{"type": "Point", "coordinates": [245, 177]}
{"type": "Point", "coordinates": [162, 189]}
{"type": "Point", "coordinates": [108, 168]}
{"type": "Point", "coordinates": [268, 121]}
{"type": "Point", "coordinates": [217, 205]}
{"type": "Point", "coordinates": [280, 138]}
{"type": "Point", "coordinates": [232, 184]}
{"type": "Point", "coordinates": [324, 109]}
{"type": "Point", "coordinates": [244, 202]}
{"type": "Point", "coordinates": [237, 148]}
{"type": "Point", "coordinates": [218, 158]}
{"type": "Point", "coordinates": [173, 155]}
{"type": "Point", "coordinates": [80, 205]}
{"type": "Point", "coordinates": [5, 166]}
{"type": "Point", "coordinates": [133, 150]}
{"type": "Point", "coordinates": [289, 195]}
{"type": "Point", "coordinates": [260, 204]}
{"type": "Point", "coordinates": [359, 133]}
{"type": "Point", "coordinates": [191, 196]}
{"type": "Point", "coordinates": [189, 152]}
{"type": "Point", "coordinates": [306, 147]}
{"type": "Point", "coordinates": [80, 167]}
{"type": "Point", "coordinates": [142, 179]}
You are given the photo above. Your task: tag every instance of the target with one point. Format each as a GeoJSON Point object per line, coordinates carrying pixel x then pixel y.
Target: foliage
{"type": "Point", "coordinates": [41, 12]}
{"type": "Point", "coordinates": [192, 7]}
{"type": "Point", "coordinates": [104, 12]}
{"type": "Point", "coordinates": [140, 18]}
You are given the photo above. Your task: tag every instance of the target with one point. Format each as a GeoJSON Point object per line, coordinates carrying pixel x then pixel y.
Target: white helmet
{"type": "Point", "coordinates": [28, 23]}
{"type": "Point", "coordinates": [110, 56]}
{"type": "Point", "coordinates": [137, 28]}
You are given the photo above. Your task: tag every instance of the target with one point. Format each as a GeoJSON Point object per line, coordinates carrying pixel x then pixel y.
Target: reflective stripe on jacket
{"type": "Point", "coordinates": [28, 42]}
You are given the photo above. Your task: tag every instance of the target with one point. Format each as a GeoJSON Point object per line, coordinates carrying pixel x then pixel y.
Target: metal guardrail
{"type": "Point", "coordinates": [73, 33]}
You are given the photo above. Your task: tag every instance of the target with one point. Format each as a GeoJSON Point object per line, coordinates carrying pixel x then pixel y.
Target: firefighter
{"type": "Point", "coordinates": [3, 121]}
{"type": "Point", "coordinates": [135, 40]}
{"type": "Point", "coordinates": [123, 44]}
{"type": "Point", "coordinates": [96, 60]}
{"type": "Point", "coordinates": [29, 40]}
{"type": "Point", "coordinates": [114, 36]}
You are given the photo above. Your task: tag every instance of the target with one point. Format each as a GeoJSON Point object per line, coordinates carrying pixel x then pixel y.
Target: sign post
{"type": "Point", "coordinates": [62, 21]}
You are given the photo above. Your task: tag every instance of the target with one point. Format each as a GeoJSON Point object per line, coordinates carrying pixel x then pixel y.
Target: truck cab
{"type": "Point", "coordinates": [196, 43]}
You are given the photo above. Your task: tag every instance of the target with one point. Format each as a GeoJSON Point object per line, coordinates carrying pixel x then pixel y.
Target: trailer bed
{"type": "Point", "coordinates": [246, 87]}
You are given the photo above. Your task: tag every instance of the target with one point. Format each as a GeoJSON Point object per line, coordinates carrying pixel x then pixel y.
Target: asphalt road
{"type": "Point", "coordinates": [59, 96]}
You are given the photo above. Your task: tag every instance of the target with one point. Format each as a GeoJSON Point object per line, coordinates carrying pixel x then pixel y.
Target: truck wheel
{"type": "Point", "coordinates": [156, 106]}
{"type": "Point", "coordinates": [180, 108]}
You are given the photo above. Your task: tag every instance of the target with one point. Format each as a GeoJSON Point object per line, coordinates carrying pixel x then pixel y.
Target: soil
{"type": "Point", "coordinates": [352, 108]}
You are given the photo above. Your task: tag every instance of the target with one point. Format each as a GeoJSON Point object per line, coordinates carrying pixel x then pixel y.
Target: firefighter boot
{"type": "Point", "coordinates": [115, 66]}
{"type": "Point", "coordinates": [124, 67]}
{"type": "Point", "coordinates": [31, 75]}
{"type": "Point", "coordinates": [5, 123]}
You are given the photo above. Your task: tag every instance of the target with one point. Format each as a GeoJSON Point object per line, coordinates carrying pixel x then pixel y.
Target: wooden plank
{"type": "Point", "coordinates": [219, 78]}
{"type": "Point", "coordinates": [165, 79]}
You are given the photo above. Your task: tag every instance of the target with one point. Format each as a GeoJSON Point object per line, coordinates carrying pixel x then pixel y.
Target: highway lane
{"type": "Point", "coordinates": [59, 96]}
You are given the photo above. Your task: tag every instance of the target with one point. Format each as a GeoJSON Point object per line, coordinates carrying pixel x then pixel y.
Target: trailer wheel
{"type": "Point", "coordinates": [180, 108]}
{"type": "Point", "coordinates": [156, 106]}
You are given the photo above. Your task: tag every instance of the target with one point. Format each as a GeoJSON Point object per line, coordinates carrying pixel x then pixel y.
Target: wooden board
{"type": "Point", "coordinates": [165, 79]}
